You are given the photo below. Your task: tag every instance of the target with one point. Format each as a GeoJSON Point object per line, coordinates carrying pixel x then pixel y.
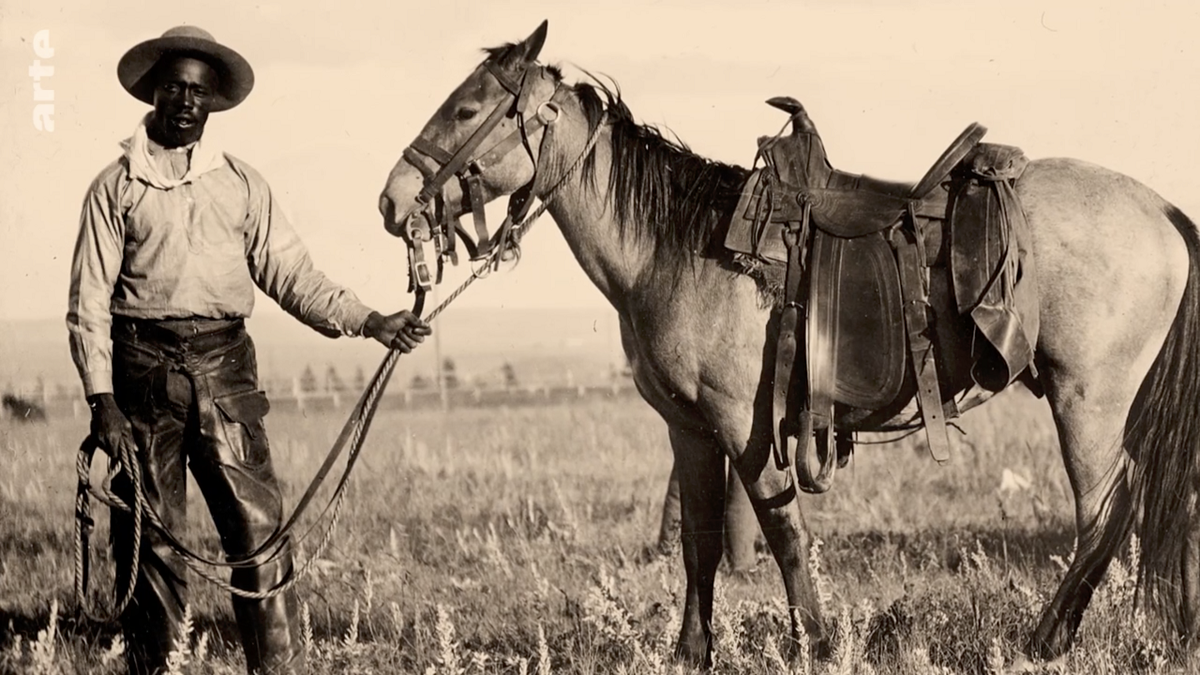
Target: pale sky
{"type": "Point", "coordinates": [341, 90]}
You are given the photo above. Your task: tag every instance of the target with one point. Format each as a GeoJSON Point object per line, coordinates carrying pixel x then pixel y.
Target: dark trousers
{"type": "Point", "coordinates": [190, 391]}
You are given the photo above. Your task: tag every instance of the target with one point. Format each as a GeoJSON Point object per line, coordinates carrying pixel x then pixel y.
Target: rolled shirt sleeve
{"type": "Point", "coordinates": [95, 268]}
{"type": "Point", "coordinates": [281, 266]}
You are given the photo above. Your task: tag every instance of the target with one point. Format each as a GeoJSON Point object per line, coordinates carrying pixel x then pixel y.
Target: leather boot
{"type": "Point", "coordinates": [270, 636]}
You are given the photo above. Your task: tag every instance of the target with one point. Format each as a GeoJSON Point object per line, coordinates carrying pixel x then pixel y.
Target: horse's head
{"type": "Point", "coordinates": [481, 143]}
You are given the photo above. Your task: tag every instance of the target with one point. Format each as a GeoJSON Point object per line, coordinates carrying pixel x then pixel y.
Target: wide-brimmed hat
{"type": "Point", "coordinates": [235, 75]}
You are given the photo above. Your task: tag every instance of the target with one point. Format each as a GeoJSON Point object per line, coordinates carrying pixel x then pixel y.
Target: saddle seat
{"type": "Point", "coordinates": [855, 267]}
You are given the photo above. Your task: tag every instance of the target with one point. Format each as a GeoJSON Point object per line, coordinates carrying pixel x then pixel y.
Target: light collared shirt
{"type": "Point", "coordinates": [155, 244]}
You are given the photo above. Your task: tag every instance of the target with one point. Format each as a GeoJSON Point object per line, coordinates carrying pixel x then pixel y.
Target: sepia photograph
{"type": "Point", "coordinates": [632, 337]}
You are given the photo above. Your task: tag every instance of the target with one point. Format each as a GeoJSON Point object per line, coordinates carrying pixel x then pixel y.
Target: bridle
{"type": "Point", "coordinates": [468, 164]}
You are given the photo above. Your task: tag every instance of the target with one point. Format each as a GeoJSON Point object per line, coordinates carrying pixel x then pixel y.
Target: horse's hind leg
{"type": "Point", "coordinates": [700, 467]}
{"type": "Point", "coordinates": [1089, 424]}
{"type": "Point", "coordinates": [1093, 373]}
{"type": "Point", "coordinates": [741, 528]}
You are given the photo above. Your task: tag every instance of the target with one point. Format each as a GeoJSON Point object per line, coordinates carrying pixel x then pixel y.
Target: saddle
{"type": "Point", "coordinates": [855, 255]}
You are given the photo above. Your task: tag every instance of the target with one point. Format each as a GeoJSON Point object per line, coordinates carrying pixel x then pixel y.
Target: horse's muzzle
{"type": "Point", "coordinates": [393, 224]}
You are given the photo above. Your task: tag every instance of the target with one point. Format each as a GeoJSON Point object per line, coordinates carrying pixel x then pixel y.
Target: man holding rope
{"type": "Point", "coordinates": [174, 236]}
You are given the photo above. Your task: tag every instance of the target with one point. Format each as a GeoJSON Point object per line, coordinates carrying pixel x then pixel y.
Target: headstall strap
{"type": "Point", "coordinates": [463, 158]}
{"type": "Point", "coordinates": [419, 147]}
{"type": "Point", "coordinates": [445, 236]}
{"type": "Point", "coordinates": [478, 213]}
{"type": "Point", "coordinates": [505, 81]}
{"type": "Point", "coordinates": [469, 167]}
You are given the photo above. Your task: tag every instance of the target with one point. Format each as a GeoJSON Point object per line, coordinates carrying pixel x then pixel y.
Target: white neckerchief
{"type": "Point", "coordinates": [206, 156]}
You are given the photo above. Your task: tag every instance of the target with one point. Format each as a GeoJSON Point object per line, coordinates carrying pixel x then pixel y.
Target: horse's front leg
{"type": "Point", "coordinates": [773, 493]}
{"type": "Point", "coordinates": [746, 439]}
{"type": "Point", "coordinates": [700, 467]}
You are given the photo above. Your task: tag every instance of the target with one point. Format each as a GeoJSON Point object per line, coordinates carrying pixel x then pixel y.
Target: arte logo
{"type": "Point", "coordinates": [43, 111]}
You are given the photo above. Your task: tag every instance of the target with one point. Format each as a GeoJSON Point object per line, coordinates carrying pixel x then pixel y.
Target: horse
{"type": "Point", "coordinates": [1117, 356]}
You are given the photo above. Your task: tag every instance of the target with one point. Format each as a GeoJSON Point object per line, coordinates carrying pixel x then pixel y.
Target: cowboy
{"type": "Point", "coordinates": [174, 236]}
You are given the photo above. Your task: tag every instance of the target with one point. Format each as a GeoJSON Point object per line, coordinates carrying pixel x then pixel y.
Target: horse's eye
{"type": "Point", "coordinates": [464, 114]}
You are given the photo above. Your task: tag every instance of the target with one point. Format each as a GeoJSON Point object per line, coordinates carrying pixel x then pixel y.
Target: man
{"type": "Point", "coordinates": [174, 236]}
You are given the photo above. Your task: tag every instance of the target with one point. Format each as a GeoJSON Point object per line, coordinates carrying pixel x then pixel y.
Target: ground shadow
{"type": "Point", "coordinates": [1027, 548]}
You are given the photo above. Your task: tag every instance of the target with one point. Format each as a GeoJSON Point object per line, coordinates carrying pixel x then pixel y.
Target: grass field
{"type": "Point", "coordinates": [523, 540]}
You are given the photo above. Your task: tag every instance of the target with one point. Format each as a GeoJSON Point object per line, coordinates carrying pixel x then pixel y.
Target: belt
{"type": "Point", "coordinates": [195, 333]}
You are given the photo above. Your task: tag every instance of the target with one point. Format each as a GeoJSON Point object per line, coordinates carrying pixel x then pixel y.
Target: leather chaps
{"type": "Point", "coordinates": [190, 390]}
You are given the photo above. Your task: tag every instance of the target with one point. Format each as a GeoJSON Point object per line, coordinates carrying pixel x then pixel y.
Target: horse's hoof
{"type": "Point", "coordinates": [1045, 649]}
{"type": "Point", "coordinates": [1022, 665]}
{"type": "Point", "coordinates": [812, 649]}
{"type": "Point", "coordinates": [821, 648]}
{"type": "Point", "coordinates": [696, 656]}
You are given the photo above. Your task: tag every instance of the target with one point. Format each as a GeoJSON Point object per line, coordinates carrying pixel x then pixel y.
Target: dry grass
{"type": "Point", "coordinates": [521, 541]}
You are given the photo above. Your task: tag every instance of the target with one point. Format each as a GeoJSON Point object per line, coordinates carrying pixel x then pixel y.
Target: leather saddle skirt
{"type": "Point", "coordinates": [855, 315]}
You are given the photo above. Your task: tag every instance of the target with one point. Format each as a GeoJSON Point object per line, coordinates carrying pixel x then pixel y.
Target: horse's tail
{"type": "Point", "coordinates": [1163, 438]}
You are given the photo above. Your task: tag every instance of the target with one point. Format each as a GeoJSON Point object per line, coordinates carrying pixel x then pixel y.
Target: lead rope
{"type": "Point", "coordinates": [361, 419]}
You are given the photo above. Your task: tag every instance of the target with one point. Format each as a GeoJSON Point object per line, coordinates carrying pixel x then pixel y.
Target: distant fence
{"type": "Point", "coordinates": [62, 404]}
{"type": "Point", "coordinates": [459, 397]}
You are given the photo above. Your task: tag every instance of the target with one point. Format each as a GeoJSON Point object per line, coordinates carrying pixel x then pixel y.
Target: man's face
{"type": "Point", "coordinates": [183, 93]}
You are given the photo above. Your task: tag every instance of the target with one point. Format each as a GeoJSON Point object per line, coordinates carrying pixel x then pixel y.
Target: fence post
{"type": "Point", "coordinates": [298, 394]}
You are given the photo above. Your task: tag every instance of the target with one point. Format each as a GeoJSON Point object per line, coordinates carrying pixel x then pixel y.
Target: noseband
{"type": "Point", "coordinates": [468, 163]}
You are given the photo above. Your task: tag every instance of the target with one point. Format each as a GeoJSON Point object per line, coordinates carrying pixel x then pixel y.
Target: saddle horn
{"type": "Point", "coordinates": [801, 122]}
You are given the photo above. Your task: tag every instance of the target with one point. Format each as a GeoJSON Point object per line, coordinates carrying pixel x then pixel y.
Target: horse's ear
{"type": "Point", "coordinates": [533, 43]}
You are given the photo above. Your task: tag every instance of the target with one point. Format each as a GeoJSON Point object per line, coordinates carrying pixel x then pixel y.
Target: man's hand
{"type": "Point", "coordinates": [110, 427]}
{"type": "Point", "coordinates": [402, 330]}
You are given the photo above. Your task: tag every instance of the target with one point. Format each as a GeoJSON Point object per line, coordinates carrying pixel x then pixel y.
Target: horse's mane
{"type": "Point", "coordinates": [659, 189]}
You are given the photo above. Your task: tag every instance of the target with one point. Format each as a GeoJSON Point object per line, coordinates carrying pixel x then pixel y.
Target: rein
{"type": "Point", "coordinates": [354, 431]}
